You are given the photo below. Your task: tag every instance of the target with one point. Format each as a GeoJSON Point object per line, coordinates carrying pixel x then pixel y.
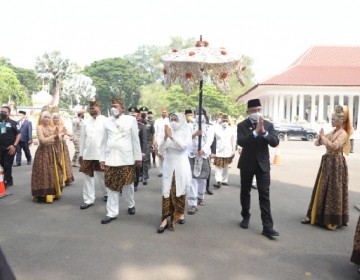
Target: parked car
{"type": "Point", "coordinates": [295, 131]}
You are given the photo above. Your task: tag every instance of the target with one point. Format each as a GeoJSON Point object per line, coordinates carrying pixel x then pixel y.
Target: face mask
{"type": "Point", "coordinates": [224, 125]}
{"type": "Point", "coordinates": [174, 125]}
{"type": "Point", "coordinates": [255, 116]}
{"type": "Point", "coordinates": [189, 118]}
{"type": "Point", "coordinates": [3, 116]}
{"type": "Point", "coordinates": [114, 112]}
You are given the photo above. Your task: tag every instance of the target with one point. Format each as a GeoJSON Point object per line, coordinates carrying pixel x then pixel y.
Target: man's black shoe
{"type": "Point", "coordinates": [245, 223]}
{"type": "Point", "coordinates": [145, 182]}
{"type": "Point", "coordinates": [208, 191]}
{"type": "Point", "coordinates": [131, 210]}
{"type": "Point", "coordinates": [269, 232]}
{"type": "Point", "coordinates": [85, 206]}
{"type": "Point", "coordinates": [105, 198]}
{"type": "Point", "coordinates": [160, 175]}
{"type": "Point", "coordinates": [29, 163]}
{"type": "Point", "coordinates": [107, 220]}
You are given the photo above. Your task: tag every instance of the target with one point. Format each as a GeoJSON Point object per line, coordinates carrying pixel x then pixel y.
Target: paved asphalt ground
{"type": "Point", "coordinates": [60, 241]}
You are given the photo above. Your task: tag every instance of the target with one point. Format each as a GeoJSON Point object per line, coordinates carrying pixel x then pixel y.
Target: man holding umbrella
{"type": "Point", "coordinates": [199, 159]}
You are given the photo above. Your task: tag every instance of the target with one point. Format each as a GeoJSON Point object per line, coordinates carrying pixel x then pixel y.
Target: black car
{"type": "Point", "coordinates": [294, 131]}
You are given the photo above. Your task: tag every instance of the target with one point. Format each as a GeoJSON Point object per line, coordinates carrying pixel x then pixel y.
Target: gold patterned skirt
{"type": "Point", "coordinates": [355, 256]}
{"type": "Point", "coordinates": [118, 176]}
{"type": "Point", "coordinates": [173, 206]}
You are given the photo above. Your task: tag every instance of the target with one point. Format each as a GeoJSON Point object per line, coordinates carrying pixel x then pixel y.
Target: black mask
{"type": "Point", "coordinates": [3, 116]}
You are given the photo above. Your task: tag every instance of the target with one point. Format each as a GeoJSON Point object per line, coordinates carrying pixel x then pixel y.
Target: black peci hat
{"type": "Point", "coordinates": [253, 103]}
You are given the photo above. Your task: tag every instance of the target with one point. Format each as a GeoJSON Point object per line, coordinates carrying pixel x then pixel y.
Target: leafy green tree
{"type": "Point", "coordinates": [10, 87]}
{"type": "Point", "coordinates": [115, 77]}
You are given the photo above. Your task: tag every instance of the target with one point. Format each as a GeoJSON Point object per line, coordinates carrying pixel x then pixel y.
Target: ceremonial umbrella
{"type": "Point", "coordinates": [189, 67]}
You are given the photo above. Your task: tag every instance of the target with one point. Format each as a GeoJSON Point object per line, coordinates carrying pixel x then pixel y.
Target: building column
{"type": "Point", "coordinates": [332, 106]}
{"type": "Point", "coordinates": [271, 106]}
{"type": "Point", "coordinates": [351, 107]}
{"type": "Point", "coordinates": [281, 107]}
{"type": "Point", "coordinates": [288, 108]}
{"type": "Point", "coordinates": [341, 100]}
{"type": "Point", "coordinates": [321, 108]}
{"type": "Point", "coordinates": [301, 107]}
{"type": "Point", "coordinates": [276, 108]}
{"type": "Point", "coordinates": [294, 108]}
{"type": "Point", "coordinates": [312, 113]}
{"type": "Point", "coordinates": [358, 114]}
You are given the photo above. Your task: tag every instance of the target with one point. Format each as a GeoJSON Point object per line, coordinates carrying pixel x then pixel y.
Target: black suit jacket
{"type": "Point", "coordinates": [255, 150]}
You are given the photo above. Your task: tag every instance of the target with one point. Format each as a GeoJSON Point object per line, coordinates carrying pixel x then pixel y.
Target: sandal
{"type": "Point", "coordinates": [305, 221]}
{"type": "Point", "coordinates": [201, 202]}
{"type": "Point", "coordinates": [192, 210]}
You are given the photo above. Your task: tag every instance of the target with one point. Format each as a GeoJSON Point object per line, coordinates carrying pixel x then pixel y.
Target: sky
{"type": "Point", "coordinates": [274, 33]}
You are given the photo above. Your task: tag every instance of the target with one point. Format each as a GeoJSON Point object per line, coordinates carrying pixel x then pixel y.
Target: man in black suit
{"type": "Point", "coordinates": [25, 140]}
{"type": "Point", "coordinates": [254, 135]}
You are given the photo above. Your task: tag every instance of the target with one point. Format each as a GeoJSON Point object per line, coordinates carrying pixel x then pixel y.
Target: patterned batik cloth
{"type": "Point", "coordinates": [173, 206]}
{"type": "Point", "coordinates": [329, 203]}
{"type": "Point", "coordinates": [222, 162]}
{"type": "Point", "coordinates": [355, 256]}
{"type": "Point", "coordinates": [118, 176]}
{"type": "Point", "coordinates": [89, 166]}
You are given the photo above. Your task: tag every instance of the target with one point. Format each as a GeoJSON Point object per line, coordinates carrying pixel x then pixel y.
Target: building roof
{"type": "Point", "coordinates": [319, 66]}
{"type": "Point", "coordinates": [322, 66]}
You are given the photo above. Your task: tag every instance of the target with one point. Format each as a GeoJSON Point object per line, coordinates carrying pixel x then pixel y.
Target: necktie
{"type": "Point", "coordinates": [254, 125]}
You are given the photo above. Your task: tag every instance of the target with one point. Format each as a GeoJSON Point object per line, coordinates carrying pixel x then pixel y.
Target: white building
{"type": "Point", "coordinates": [310, 88]}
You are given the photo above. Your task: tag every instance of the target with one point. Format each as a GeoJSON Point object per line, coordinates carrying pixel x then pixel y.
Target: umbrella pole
{"type": "Point", "coordinates": [200, 111]}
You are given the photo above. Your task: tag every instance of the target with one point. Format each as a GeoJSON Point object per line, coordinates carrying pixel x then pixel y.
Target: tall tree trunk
{"type": "Point", "coordinates": [55, 100]}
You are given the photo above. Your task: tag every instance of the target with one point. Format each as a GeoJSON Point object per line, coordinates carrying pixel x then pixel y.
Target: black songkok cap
{"type": "Point", "coordinates": [253, 103]}
{"type": "Point", "coordinates": [188, 111]}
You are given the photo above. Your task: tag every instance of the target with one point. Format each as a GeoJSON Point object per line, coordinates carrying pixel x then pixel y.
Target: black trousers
{"type": "Point", "coordinates": [263, 185]}
{"type": "Point", "coordinates": [22, 146]}
{"type": "Point", "coordinates": [6, 161]}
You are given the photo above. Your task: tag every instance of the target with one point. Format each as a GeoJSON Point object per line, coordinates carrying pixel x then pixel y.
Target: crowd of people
{"type": "Point", "coordinates": [120, 150]}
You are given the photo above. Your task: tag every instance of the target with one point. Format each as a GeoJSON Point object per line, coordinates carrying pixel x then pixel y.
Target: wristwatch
{"type": "Point", "coordinates": [14, 145]}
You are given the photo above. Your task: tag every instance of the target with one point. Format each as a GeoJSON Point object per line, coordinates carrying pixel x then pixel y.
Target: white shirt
{"type": "Point", "coordinates": [207, 139]}
{"type": "Point", "coordinates": [91, 137]}
{"type": "Point", "coordinates": [159, 127]}
{"type": "Point", "coordinates": [225, 141]}
{"type": "Point", "coordinates": [121, 143]}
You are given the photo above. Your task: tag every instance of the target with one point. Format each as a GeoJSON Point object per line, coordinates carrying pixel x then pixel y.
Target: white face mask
{"type": "Point", "coordinates": [174, 125]}
{"type": "Point", "coordinates": [224, 125]}
{"type": "Point", "coordinates": [255, 116]}
{"type": "Point", "coordinates": [203, 119]}
{"type": "Point", "coordinates": [114, 112]}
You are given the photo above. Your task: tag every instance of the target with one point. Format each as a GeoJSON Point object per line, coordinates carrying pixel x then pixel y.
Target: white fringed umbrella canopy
{"type": "Point", "coordinates": [190, 66]}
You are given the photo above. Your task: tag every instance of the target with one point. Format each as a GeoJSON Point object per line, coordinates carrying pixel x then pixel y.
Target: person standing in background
{"type": "Point", "coordinates": [25, 140]}
{"type": "Point", "coordinates": [225, 151]}
{"type": "Point", "coordinates": [77, 124]}
{"type": "Point", "coordinates": [159, 126]}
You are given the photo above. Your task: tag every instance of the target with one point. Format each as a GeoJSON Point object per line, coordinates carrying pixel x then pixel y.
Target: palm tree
{"type": "Point", "coordinates": [53, 67]}
{"type": "Point", "coordinates": [80, 87]}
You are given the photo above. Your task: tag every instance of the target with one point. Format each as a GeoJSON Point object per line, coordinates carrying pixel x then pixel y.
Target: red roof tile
{"type": "Point", "coordinates": [322, 66]}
